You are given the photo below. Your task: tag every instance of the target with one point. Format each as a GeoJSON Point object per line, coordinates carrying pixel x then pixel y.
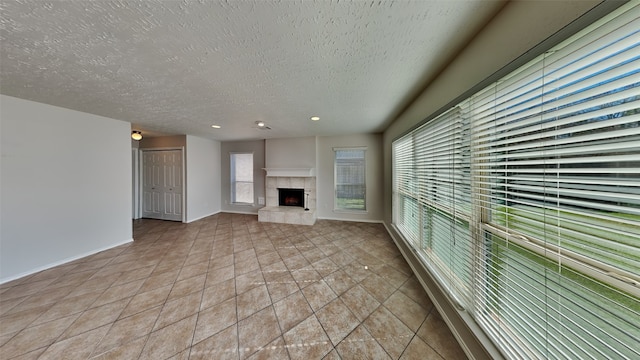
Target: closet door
{"type": "Point", "coordinates": [162, 184]}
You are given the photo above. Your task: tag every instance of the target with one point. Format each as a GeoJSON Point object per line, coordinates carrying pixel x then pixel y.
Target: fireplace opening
{"type": "Point", "coordinates": [291, 197]}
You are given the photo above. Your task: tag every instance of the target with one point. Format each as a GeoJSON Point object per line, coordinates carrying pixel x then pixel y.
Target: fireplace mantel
{"type": "Point", "coordinates": [290, 172]}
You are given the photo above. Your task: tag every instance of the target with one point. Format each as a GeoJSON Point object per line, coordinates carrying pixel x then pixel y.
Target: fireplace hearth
{"type": "Point", "coordinates": [291, 197]}
{"type": "Point", "coordinates": [276, 211]}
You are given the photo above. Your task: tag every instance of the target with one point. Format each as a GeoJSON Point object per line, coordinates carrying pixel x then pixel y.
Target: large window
{"type": "Point", "coordinates": [242, 178]}
{"type": "Point", "coordinates": [350, 189]}
{"type": "Point", "coordinates": [433, 196]}
{"type": "Point", "coordinates": [524, 200]}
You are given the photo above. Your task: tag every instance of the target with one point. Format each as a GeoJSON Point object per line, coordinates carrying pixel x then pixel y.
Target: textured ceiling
{"type": "Point", "coordinates": [177, 67]}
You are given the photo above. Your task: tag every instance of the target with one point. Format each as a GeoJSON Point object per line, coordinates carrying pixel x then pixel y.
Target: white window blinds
{"type": "Point", "coordinates": [433, 197]}
{"type": "Point", "coordinates": [557, 164]}
{"type": "Point", "coordinates": [405, 204]}
{"type": "Point", "coordinates": [545, 198]}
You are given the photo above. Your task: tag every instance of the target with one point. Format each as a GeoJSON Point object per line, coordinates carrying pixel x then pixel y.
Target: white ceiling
{"type": "Point", "coordinates": [178, 67]}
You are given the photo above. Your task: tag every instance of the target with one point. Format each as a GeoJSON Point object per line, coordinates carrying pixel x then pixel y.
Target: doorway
{"type": "Point", "coordinates": [162, 184]}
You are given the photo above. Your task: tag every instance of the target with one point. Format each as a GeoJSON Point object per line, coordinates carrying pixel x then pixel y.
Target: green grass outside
{"type": "Point", "coordinates": [582, 234]}
{"type": "Point", "coordinates": [600, 299]}
{"type": "Point", "coordinates": [597, 300]}
{"type": "Point", "coordinates": [607, 310]}
{"type": "Point", "coordinates": [499, 245]}
{"type": "Point", "coordinates": [350, 204]}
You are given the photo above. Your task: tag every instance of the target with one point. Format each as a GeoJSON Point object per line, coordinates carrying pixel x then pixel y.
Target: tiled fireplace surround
{"type": "Point", "coordinates": [289, 214]}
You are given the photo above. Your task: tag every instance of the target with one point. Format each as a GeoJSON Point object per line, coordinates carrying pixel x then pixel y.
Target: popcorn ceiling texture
{"type": "Point", "coordinates": [181, 66]}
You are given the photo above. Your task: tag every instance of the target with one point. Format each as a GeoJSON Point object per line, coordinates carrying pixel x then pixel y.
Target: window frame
{"type": "Point", "coordinates": [336, 207]}
{"type": "Point", "coordinates": [233, 181]}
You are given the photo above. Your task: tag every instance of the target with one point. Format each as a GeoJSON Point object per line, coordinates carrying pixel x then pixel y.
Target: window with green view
{"type": "Point", "coordinates": [524, 199]}
{"type": "Point", "coordinates": [350, 187]}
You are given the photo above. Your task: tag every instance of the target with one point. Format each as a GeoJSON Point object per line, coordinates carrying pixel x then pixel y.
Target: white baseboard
{"type": "Point", "coordinates": [204, 216]}
{"type": "Point", "coordinates": [61, 262]}
{"type": "Point", "coordinates": [239, 212]}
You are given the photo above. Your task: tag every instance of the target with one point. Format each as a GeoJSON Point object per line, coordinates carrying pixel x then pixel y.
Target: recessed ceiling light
{"type": "Point", "coordinates": [315, 118]}
{"type": "Point", "coordinates": [216, 126]}
{"type": "Point", "coordinates": [260, 123]}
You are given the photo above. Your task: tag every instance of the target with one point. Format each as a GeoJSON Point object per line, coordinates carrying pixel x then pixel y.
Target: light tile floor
{"type": "Point", "coordinates": [228, 287]}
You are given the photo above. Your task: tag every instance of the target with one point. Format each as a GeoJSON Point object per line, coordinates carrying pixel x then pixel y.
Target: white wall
{"type": "Point", "coordinates": [325, 176]}
{"type": "Point", "coordinates": [163, 142]}
{"type": "Point", "coordinates": [291, 153]}
{"type": "Point", "coordinates": [257, 147]}
{"type": "Point", "coordinates": [203, 177]}
{"type": "Point", "coordinates": [65, 185]}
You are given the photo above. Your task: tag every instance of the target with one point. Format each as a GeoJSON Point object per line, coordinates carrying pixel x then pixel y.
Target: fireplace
{"type": "Point", "coordinates": [278, 211]}
{"type": "Point", "coordinates": [291, 197]}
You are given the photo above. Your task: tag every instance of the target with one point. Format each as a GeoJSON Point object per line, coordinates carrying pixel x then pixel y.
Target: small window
{"type": "Point", "coordinates": [350, 176]}
{"type": "Point", "coordinates": [242, 178]}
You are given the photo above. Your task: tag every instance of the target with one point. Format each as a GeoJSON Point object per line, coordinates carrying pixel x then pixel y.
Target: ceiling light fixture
{"type": "Point", "coordinates": [136, 135]}
{"type": "Point", "coordinates": [216, 126]}
{"type": "Point", "coordinates": [315, 118]}
{"type": "Point", "coordinates": [261, 125]}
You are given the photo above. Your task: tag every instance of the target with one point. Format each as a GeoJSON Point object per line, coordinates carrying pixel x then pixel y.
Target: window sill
{"type": "Point", "coordinates": [244, 204]}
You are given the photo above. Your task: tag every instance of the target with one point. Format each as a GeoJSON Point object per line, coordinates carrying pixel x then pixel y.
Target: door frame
{"type": "Point", "coordinates": [136, 185]}
{"type": "Point", "coordinates": [141, 177]}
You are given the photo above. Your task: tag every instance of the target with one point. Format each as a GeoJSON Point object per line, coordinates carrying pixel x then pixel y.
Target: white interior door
{"type": "Point", "coordinates": [162, 184]}
{"type": "Point", "coordinates": [172, 182]}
